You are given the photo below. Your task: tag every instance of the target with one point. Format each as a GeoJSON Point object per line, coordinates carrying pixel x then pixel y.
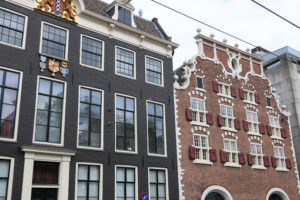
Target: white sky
{"type": "Point", "coordinates": [242, 18]}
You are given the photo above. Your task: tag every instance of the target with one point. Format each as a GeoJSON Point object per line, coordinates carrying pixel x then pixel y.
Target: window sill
{"type": "Point", "coordinates": [12, 140]}
{"type": "Point", "coordinates": [54, 57]}
{"type": "Point", "coordinates": [160, 85]}
{"type": "Point", "coordinates": [45, 186]}
{"type": "Point", "coordinates": [225, 96]}
{"type": "Point", "coordinates": [259, 167]}
{"type": "Point", "coordinates": [157, 155]}
{"type": "Point", "coordinates": [92, 67]}
{"type": "Point", "coordinates": [276, 137]}
{"type": "Point", "coordinates": [14, 46]}
{"type": "Point", "coordinates": [200, 89]}
{"type": "Point", "coordinates": [281, 169]}
{"type": "Point", "coordinates": [269, 107]}
{"type": "Point", "coordinates": [254, 133]}
{"type": "Point", "coordinates": [199, 124]}
{"type": "Point", "coordinates": [125, 76]}
{"type": "Point", "coordinates": [228, 129]}
{"type": "Point", "coordinates": [203, 162]}
{"type": "Point", "coordinates": [250, 102]}
{"type": "Point", "coordinates": [232, 165]}
{"type": "Point", "coordinates": [89, 148]}
{"type": "Point", "coordinates": [48, 144]}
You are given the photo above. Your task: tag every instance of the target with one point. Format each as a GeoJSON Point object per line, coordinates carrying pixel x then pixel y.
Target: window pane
{"type": "Point", "coordinates": [10, 96]}
{"type": "Point", "coordinates": [120, 189]}
{"type": "Point", "coordinates": [129, 104]}
{"type": "Point", "coordinates": [4, 166]}
{"type": "Point", "coordinates": [3, 189]}
{"type": "Point", "coordinates": [58, 89]}
{"type": "Point", "coordinates": [94, 173]}
{"type": "Point", "coordinates": [162, 190]}
{"type": "Point", "coordinates": [153, 191]}
{"type": "Point", "coordinates": [82, 190]}
{"type": "Point", "coordinates": [41, 133]}
{"type": "Point", "coordinates": [120, 174]}
{"type": "Point", "coordinates": [94, 190]}
{"type": "Point", "coordinates": [150, 109]}
{"type": "Point", "coordinates": [44, 87]}
{"type": "Point", "coordinates": [130, 190]}
{"type": "Point", "coordinates": [161, 177]}
{"type": "Point", "coordinates": [120, 102]}
{"type": "Point", "coordinates": [153, 176]}
{"type": "Point", "coordinates": [96, 97]}
{"type": "Point", "coordinates": [130, 175]}
{"type": "Point", "coordinates": [42, 117]}
{"type": "Point", "coordinates": [54, 135]}
{"type": "Point", "coordinates": [43, 102]}
{"type": "Point", "coordinates": [84, 95]}
{"type": "Point", "coordinates": [83, 172]}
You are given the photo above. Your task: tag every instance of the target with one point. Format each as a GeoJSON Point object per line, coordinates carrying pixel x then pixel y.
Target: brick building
{"type": "Point", "coordinates": [234, 140]}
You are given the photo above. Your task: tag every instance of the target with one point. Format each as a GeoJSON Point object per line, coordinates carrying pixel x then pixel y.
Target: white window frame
{"type": "Point", "coordinates": [198, 113]}
{"type": "Point", "coordinates": [62, 132]}
{"type": "Point", "coordinates": [135, 181]}
{"type": "Point", "coordinates": [100, 174]}
{"type": "Point", "coordinates": [269, 107]}
{"type": "Point", "coordinates": [24, 33]}
{"type": "Point", "coordinates": [230, 163]}
{"type": "Point", "coordinates": [162, 71]}
{"type": "Point", "coordinates": [200, 149]}
{"type": "Point", "coordinates": [247, 97]}
{"type": "Point", "coordinates": [102, 119]}
{"type": "Point", "coordinates": [280, 159]}
{"type": "Point", "coordinates": [165, 130]}
{"type": "Point", "coordinates": [134, 63]}
{"type": "Point", "coordinates": [67, 42]}
{"type": "Point", "coordinates": [276, 133]}
{"type": "Point", "coordinates": [10, 175]}
{"type": "Point", "coordinates": [102, 55]}
{"type": "Point", "coordinates": [14, 139]}
{"type": "Point", "coordinates": [226, 119]}
{"type": "Point", "coordinates": [196, 85]}
{"type": "Point", "coordinates": [167, 180]}
{"type": "Point", "coordinates": [222, 87]}
{"type": "Point", "coordinates": [135, 125]}
{"type": "Point", "coordinates": [253, 124]}
{"type": "Point", "coordinates": [257, 157]}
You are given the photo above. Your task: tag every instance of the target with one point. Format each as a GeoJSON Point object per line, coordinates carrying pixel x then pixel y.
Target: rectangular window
{"type": "Point", "coordinates": [156, 136]}
{"type": "Point", "coordinates": [269, 102]}
{"type": "Point", "coordinates": [45, 173]}
{"type": "Point", "coordinates": [198, 110]}
{"type": "Point", "coordinates": [125, 183]}
{"type": "Point", "coordinates": [224, 89]}
{"type": "Point", "coordinates": [249, 96]}
{"type": "Point", "coordinates": [280, 157]}
{"type": "Point", "coordinates": [54, 41]}
{"type": "Point", "coordinates": [12, 28]}
{"type": "Point", "coordinates": [230, 147]}
{"type": "Point", "coordinates": [253, 122]}
{"type": "Point", "coordinates": [274, 123]}
{"type": "Point", "coordinates": [9, 89]}
{"type": "Point", "coordinates": [124, 16]}
{"type": "Point", "coordinates": [154, 71]}
{"type": "Point", "coordinates": [256, 151]}
{"type": "Point", "coordinates": [4, 178]}
{"type": "Point", "coordinates": [202, 147]}
{"type": "Point", "coordinates": [125, 123]}
{"type": "Point", "coordinates": [200, 82]}
{"type": "Point", "coordinates": [91, 52]}
{"type": "Point", "coordinates": [48, 125]}
{"type": "Point", "coordinates": [227, 115]}
{"type": "Point", "coordinates": [158, 184]}
{"type": "Point", "coordinates": [88, 182]}
{"type": "Point", "coordinates": [125, 62]}
{"type": "Point", "coordinates": [90, 117]}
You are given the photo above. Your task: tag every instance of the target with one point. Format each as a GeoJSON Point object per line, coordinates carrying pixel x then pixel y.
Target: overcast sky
{"type": "Point", "coordinates": [242, 18]}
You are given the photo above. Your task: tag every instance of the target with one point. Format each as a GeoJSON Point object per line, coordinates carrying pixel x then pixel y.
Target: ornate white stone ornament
{"type": "Point", "coordinates": [234, 64]}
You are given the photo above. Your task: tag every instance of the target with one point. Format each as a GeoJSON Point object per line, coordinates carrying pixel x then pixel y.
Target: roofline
{"type": "Point", "coordinates": [155, 21]}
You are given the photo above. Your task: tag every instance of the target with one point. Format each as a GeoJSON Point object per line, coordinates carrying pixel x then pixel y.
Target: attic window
{"type": "Point", "coordinates": [124, 16]}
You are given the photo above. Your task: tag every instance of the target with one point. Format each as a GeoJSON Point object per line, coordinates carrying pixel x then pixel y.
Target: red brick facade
{"type": "Point", "coordinates": [242, 177]}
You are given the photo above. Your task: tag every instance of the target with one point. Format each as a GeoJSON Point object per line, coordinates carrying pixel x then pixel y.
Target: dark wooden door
{"type": "Point", "coordinates": [44, 194]}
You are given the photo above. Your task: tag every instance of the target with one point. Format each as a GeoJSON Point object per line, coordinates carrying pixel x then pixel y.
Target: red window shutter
{"type": "Point", "coordinates": [257, 98]}
{"type": "Point", "coordinates": [288, 163]}
{"type": "Point", "coordinates": [242, 94]}
{"type": "Point", "coordinates": [274, 162]}
{"type": "Point", "coordinates": [223, 156]}
{"type": "Point", "coordinates": [269, 130]}
{"type": "Point", "coordinates": [237, 124]}
{"type": "Point", "coordinates": [245, 125]}
{"type": "Point", "coordinates": [262, 129]}
{"type": "Point", "coordinates": [250, 159]}
{"type": "Point", "coordinates": [283, 133]}
{"type": "Point", "coordinates": [189, 114]}
{"type": "Point", "coordinates": [215, 86]}
{"type": "Point", "coordinates": [220, 120]}
{"type": "Point", "coordinates": [209, 119]}
{"type": "Point", "coordinates": [267, 161]}
{"type": "Point", "coordinates": [242, 159]}
{"type": "Point", "coordinates": [192, 152]}
{"type": "Point", "coordinates": [233, 92]}
{"type": "Point", "coordinates": [213, 155]}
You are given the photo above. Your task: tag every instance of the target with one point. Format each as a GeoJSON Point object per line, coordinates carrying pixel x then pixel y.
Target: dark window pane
{"type": "Point", "coordinates": [44, 87]}
{"type": "Point", "coordinates": [58, 89]}
{"type": "Point", "coordinates": [10, 96]}
{"type": "Point", "coordinates": [42, 117]}
{"type": "Point", "coordinates": [125, 62]}
{"type": "Point", "coordinates": [153, 70]}
{"type": "Point", "coordinates": [45, 173]}
{"type": "Point", "coordinates": [91, 52]}
{"type": "Point", "coordinates": [199, 82]}
{"type": "Point", "coordinates": [43, 102]}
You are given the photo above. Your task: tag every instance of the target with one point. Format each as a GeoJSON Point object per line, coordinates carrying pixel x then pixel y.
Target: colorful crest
{"type": "Point", "coordinates": [53, 65]}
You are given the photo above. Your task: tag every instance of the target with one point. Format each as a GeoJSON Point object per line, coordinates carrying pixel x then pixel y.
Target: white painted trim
{"type": "Point", "coordinates": [100, 177]}
{"type": "Point", "coordinates": [279, 192]}
{"type": "Point", "coordinates": [24, 31]}
{"type": "Point", "coordinates": [134, 63]}
{"type": "Point", "coordinates": [62, 132]}
{"type": "Point", "coordinates": [10, 175]}
{"type": "Point", "coordinates": [66, 46]}
{"type": "Point", "coordinates": [102, 55]}
{"type": "Point", "coordinates": [164, 126]}
{"type": "Point", "coordinates": [162, 71]}
{"type": "Point", "coordinates": [101, 148]}
{"type": "Point", "coordinates": [135, 125]}
{"type": "Point", "coordinates": [218, 189]}
{"type": "Point", "coordinates": [196, 86]}
{"type": "Point", "coordinates": [135, 181]}
{"type": "Point", "coordinates": [167, 180]}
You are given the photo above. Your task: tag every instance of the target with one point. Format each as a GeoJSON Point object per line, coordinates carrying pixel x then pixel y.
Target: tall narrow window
{"type": "Point", "coordinates": [156, 128]}
{"type": "Point", "coordinates": [227, 115]}
{"type": "Point", "coordinates": [125, 61]}
{"type": "Point", "coordinates": [198, 108]}
{"type": "Point", "coordinates": [124, 16]}
{"type": "Point", "coordinates": [125, 186]}
{"type": "Point", "coordinates": [230, 147]}
{"type": "Point", "coordinates": [253, 122]}
{"type": "Point", "coordinates": [224, 89]}
{"type": "Point", "coordinates": [200, 83]}
{"type": "Point", "coordinates": [158, 190]}
{"type": "Point", "coordinates": [49, 111]}
{"type": "Point", "coordinates": [4, 178]}
{"type": "Point", "coordinates": [88, 182]}
{"type": "Point", "coordinates": [269, 102]}
{"type": "Point", "coordinates": [91, 52]}
{"type": "Point", "coordinates": [125, 123]}
{"type": "Point", "coordinates": [54, 41]}
{"type": "Point", "coordinates": [256, 151]}
{"type": "Point", "coordinates": [154, 71]}
{"type": "Point", "coordinates": [90, 118]}
{"type": "Point", "coordinates": [280, 157]}
{"type": "Point", "coordinates": [249, 96]}
{"type": "Point", "coordinates": [9, 86]}
{"type": "Point", "coordinates": [202, 148]}
{"type": "Point", "coordinates": [11, 28]}
{"type": "Point", "coordinates": [274, 123]}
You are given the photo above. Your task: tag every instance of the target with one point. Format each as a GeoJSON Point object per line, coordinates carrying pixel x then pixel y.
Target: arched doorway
{"type": "Point", "coordinates": [275, 197]}
{"type": "Point", "coordinates": [277, 194]}
{"type": "Point", "coordinates": [214, 196]}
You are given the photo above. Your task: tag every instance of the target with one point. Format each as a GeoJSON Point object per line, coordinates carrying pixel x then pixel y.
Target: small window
{"type": "Point", "coordinates": [200, 82]}
{"type": "Point", "coordinates": [280, 157]}
{"type": "Point", "coordinates": [224, 90]}
{"type": "Point", "coordinates": [253, 121]}
{"type": "Point", "coordinates": [124, 16]}
{"type": "Point", "coordinates": [125, 62]}
{"type": "Point", "coordinates": [4, 178]}
{"type": "Point", "coordinates": [45, 173]}
{"type": "Point", "coordinates": [202, 147]}
{"type": "Point", "coordinates": [54, 41]}
{"type": "Point", "coordinates": [154, 71]}
{"type": "Point", "coordinates": [274, 123]}
{"type": "Point", "coordinates": [230, 147]}
{"type": "Point", "coordinates": [256, 152]}
{"type": "Point", "coordinates": [12, 28]}
{"type": "Point", "coordinates": [249, 96]}
{"type": "Point", "coordinates": [198, 110]}
{"type": "Point", "coordinates": [158, 184]}
{"type": "Point", "coordinates": [269, 102]}
{"type": "Point", "coordinates": [125, 183]}
{"type": "Point", "coordinates": [91, 52]}
{"type": "Point", "coordinates": [227, 115]}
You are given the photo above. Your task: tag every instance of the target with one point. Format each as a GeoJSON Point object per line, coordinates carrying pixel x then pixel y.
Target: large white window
{"type": "Point", "coordinates": [227, 115]}
{"type": "Point", "coordinates": [249, 96]}
{"type": "Point", "coordinates": [274, 123]}
{"type": "Point", "coordinates": [224, 89]}
{"type": "Point", "coordinates": [252, 121]}
{"type": "Point", "coordinates": [198, 110]}
{"type": "Point", "coordinates": [230, 147]}
{"type": "Point", "coordinates": [125, 62]}
{"type": "Point", "coordinates": [256, 152]}
{"type": "Point", "coordinates": [158, 183]}
{"type": "Point", "coordinates": [154, 71]}
{"type": "Point", "coordinates": [280, 157]}
{"type": "Point", "coordinates": [126, 183]}
{"type": "Point", "coordinates": [6, 172]}
{"type": "Point", "coordinates": [202, 147]}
